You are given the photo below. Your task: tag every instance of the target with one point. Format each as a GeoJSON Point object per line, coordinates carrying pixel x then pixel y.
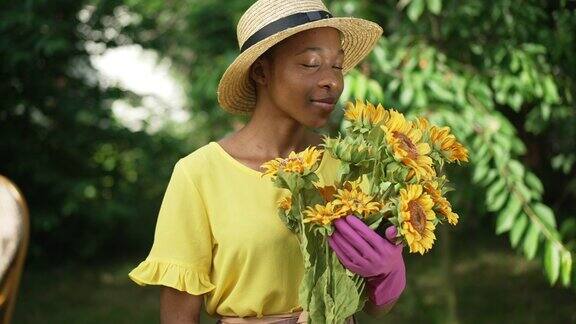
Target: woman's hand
{"type": "Point", "coordinates": [361, 250]}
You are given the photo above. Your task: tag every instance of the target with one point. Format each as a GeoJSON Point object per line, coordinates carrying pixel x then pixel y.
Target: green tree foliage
{"type": "Point", "coordinates": [501, 76]}
{"type": "Point", "coordinates": [90, 182]}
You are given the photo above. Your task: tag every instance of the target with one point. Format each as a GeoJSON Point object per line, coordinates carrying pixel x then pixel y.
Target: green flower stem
{"type": "Point", "coordinates": [374, 178]}
{"type": "Point", "coordinates": [302, 237]}
{"type": "Point", "coordinates": [328, 268]}
{"type": "Point", "coordinates": [300, 223]}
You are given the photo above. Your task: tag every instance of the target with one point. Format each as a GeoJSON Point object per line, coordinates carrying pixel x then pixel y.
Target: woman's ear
{"type": "Point", "coordinates": [259, 70]}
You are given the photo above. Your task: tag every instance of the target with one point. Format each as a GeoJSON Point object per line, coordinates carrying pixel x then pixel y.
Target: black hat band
{"type": "Point", "coordinates": [284, 23]}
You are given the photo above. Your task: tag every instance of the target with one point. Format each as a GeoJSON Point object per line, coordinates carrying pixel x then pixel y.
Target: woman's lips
{"type": "Point", "coordinates": [328, 107]}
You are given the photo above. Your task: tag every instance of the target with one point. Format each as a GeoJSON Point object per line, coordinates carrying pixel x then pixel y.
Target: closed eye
{"type": "Point", "coordinates": [315, 66]}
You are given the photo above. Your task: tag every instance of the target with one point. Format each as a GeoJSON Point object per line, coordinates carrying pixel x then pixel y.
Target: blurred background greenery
{"type": "Point", "coordinates": [100, 98]}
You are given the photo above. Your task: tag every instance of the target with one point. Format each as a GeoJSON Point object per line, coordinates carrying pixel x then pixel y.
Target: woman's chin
{"type": "Point", "coordinates": [314, 119]}
{"type": "Point", "coordinates": [318, 122]}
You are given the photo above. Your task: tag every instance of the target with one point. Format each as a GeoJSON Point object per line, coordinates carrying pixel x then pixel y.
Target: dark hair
{"type": "Point", "coordinates": [269, 55]}
{"type": "Point", "coordinates": [270, 52]}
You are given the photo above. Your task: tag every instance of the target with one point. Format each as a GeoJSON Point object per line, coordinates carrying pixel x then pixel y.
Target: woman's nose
{"type": "Point", "coordinates": [330, 78]}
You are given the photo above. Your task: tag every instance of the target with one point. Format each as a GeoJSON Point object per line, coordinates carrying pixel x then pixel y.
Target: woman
{"type": "Point", "coordinates": [218, 238]}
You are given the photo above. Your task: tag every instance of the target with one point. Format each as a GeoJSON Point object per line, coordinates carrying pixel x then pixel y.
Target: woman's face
{"type": "Point", "coordinates": [302, 76]}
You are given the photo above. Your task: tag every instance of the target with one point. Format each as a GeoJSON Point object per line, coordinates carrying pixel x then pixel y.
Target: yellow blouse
{"type": "Point", "coordinates": [218, 233]}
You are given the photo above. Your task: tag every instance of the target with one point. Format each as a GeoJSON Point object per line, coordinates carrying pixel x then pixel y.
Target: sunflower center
{"type": "Point", "coordinates": [417, 216]}
{"type": "Point", "coordinates": [407, 145]}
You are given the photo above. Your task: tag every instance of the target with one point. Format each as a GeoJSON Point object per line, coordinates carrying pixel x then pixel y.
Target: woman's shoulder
{"type": "Point", "coordinates": [196, 162]}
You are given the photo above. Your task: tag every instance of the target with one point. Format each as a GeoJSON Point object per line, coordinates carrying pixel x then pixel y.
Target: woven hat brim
{"type": "Point", "coordinates": [236, 94]}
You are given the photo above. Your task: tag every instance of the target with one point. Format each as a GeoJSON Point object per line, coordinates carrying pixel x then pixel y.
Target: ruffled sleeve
{"type": "Point", "coordinates": [181, 255]}
{"type": "Point", "coordinates": [183, 278]}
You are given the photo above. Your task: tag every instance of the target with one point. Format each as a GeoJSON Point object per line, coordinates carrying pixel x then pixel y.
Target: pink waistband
{"type": "Point", "coordinates": [293, 318]}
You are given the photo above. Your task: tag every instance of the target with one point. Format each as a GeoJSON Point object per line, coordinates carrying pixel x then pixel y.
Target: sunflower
{"type": "Point", "coordinates": [310, 156]}
{"type": "Point", "coordinates": [351, 149]}
{"type": "Point", "coordinates": [285, 203]}
{"type": "Point", "coordinates": [440, 202]}
{"type": "Point", "coordinates": [354, 113]}
{"type": "Point", "coordinates": [404, 141]}
{"type": "Point", "coordinates": [444, 142]}
{"type": "Point", "coordinates": [272, 167]}
{"type": "Point", "coordinates": [301, 163]}
{"type": "Point", "coordinates": [362, 114]}
{"type": "Point", "coordinates": [417, 218]}
{"type": "Point", "coordinates": [352, 199]}
{"type": "Point", "coordinates": [322, 214]}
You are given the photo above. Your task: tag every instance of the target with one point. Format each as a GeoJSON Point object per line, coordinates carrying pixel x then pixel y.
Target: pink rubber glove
{"type": "Point", "coordinates": [361, 250]}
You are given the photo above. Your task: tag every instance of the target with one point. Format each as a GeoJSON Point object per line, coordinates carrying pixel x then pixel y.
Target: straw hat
{"type": "Point", "coordinates": [266, 23]}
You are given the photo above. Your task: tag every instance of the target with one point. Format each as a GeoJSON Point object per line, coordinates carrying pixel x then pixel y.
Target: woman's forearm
{"type": "Point", "coordinates": [177, 307]}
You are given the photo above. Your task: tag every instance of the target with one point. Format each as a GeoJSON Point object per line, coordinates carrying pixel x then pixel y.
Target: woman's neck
{"type": "Point", "coordinates": [270, 139]}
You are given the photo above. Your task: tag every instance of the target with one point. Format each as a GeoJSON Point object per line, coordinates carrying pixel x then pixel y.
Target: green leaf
{"type": "Point", "coordinates": [504, 141]}
{"type": "Point", "coordinates": [361, 87]}
{"type": "Point", "coordinates": [380, 56]}
{"type": "Point", "coordinates": [545, 214]}
{"type": "Point", "coordinates": [477, 142]}
{"type": "Point", "coordinates": [546, 111]}
{"type": "Point", "coordinates": [348, 86]}
{"type": "Point", "coordinates": [498, 201]}
{"type": "Point", "coordinates": [495, 189]}
{"type": "Point", "coordinates": [346, 302]}
{"type": "Point", "coordinates": [480, 172]}
{"type": "Point", "coordinates": [435, 6]}
{"type": "Point", "coordinates": [516, 168]}
{"type": "Point", "coordinates": [305, 289]}
{"type": "Point", "coordinates": [384, 186]}
{"type": "Point", "coordinates": [501, 155]}
{"type": "Point", "coordinates": [317, 307]}
{"type": "Point", "coordinates": [440, 92]}
{"type": "Point", "coordinates": [518, 146]}
{"type": "Point", "coordinates": [550, 90]}
{"type": "Point", "coordinates": [515, 100]}
{"type": "Point", "coordinates": [343, 170]}
{"type": "Point", "coordinates": [507, 216]}
{"type": "Point", "coordinates": [406, 95]}
{"type": "Point", "coordinates": [552, 261]}
{"type": "Point", "coordinates": [490, 176]}
{"type": "Point", "coordinates": [518, 230]}
{"type": "Point", "coordinates": [566, 267]}
{"type": "Point", "coordinates": [481, 153]}
{"type": "Point", "coordinates": [524, 192]}
{"type": "Point", "coordinates": [534, 48]}
{"type": "Point", "coordinates": [393, 85]}
{"type": "Point", "coordinates": [415, 9]}
{"type": "Point", "coordinates": [531, 241]}
{"type": "Point", "coordinates": [515, 62]}
{"type": "Point", "coordinates": [534, 183]}
{"type": "Point", "coordinates": [375, 90]}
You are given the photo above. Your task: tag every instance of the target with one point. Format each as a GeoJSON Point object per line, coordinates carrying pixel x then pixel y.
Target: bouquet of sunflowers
{"type": "Point", "coordinates": [391, 169]}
